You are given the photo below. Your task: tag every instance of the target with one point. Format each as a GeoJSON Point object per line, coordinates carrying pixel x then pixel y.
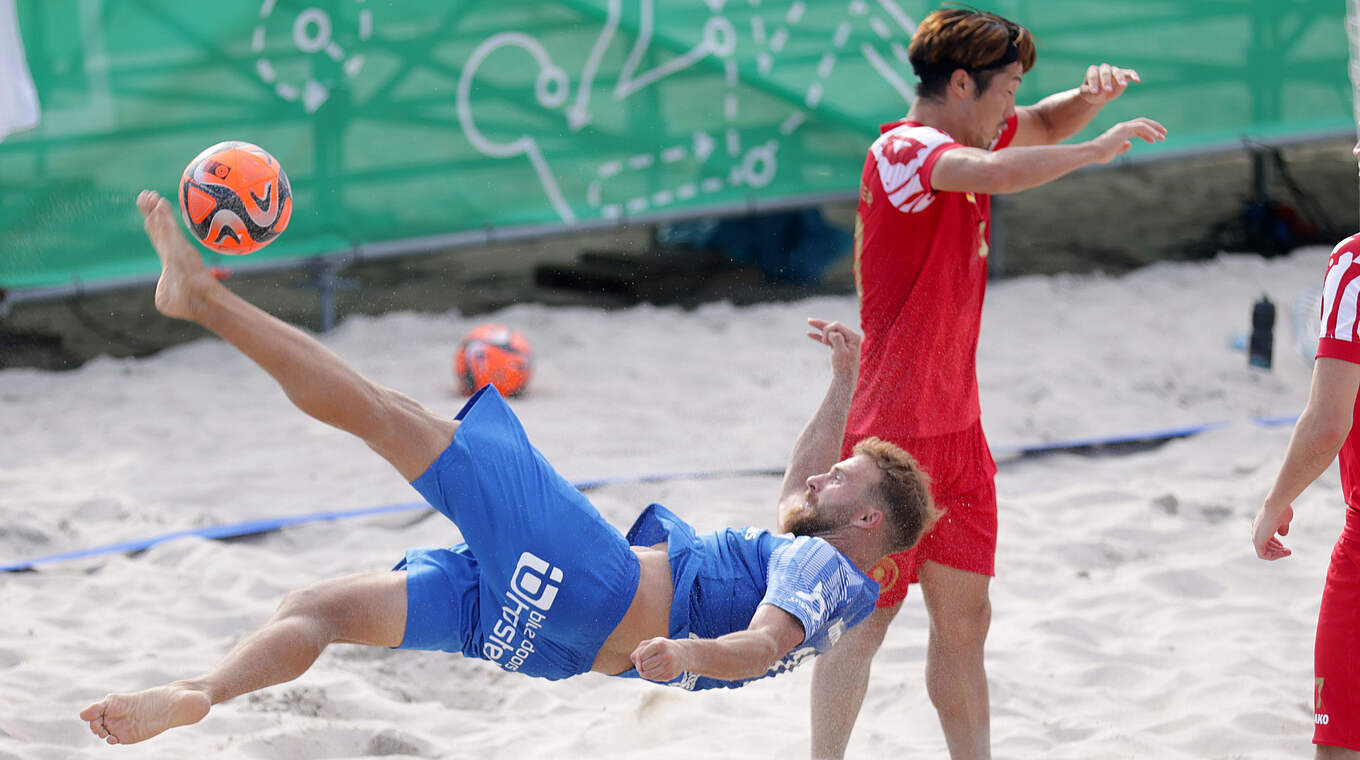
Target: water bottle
{"type": "Point", "coordinates": [1261, 347]}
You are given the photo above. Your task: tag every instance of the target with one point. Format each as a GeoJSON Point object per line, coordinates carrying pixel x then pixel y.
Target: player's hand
{"type": "Point", "coordinates": [1269, 522]}
{"type": "Point", "coordinates": [659, 659]}
{"type": "Point", "coordinates": [1118, 139]}
{"type": "Point", "coordinates": [844, 343]}
{"type": "Point", "coordinates": [1104, 83]}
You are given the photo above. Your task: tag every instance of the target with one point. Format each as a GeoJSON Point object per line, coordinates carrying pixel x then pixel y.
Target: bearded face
{"type": "Point", "coordinates": [831, 500]}
{"type": "Point", "coordinates": [810, 520]}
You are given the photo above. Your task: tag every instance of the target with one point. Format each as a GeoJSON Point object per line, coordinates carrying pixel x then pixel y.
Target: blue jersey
{"type": "Point", "coordinates": [722, 577]}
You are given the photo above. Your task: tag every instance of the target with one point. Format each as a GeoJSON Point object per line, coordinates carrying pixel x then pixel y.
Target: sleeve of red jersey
{"type": "Point", "coordinates": [1336, 348]}
{"type": "Point", "coordinates": [1340, 330]}
{"type": "Point", "coordinates": [928, 167]}
{"type": "Point", "coordinates": [1002, 140]}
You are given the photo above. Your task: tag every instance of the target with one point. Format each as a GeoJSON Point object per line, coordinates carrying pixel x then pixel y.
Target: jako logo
{"type": "Point", "coordinates": [536, 581]}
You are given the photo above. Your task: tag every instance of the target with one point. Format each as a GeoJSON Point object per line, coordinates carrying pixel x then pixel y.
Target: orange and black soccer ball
{"type": "Point", "coordinates": [235, 198]}
{"type": "Point", "coordinates": [493, 353]}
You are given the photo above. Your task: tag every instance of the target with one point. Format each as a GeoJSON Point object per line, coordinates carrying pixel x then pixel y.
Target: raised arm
{"type": "Point", "coordinates": [819, 445]}
{"type": "Point", "coordinates": [1034, 156]}
{"type": "Point", "coordinates": [733, 657]}
{"type": "Point", "coordinates": [1009, 170]}
{"type": "Point", "coordinates": [1063, 114]}
{"type": "Point", "coordinates": [1318, 436]}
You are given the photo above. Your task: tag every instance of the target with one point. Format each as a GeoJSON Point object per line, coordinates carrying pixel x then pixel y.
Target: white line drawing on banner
{"type": "Point", "coordinates": [902, 19]}
{"type": "Point", "coordinates": [579, 114]}
{"type": "Point", "coordinates": [750, 166]}
{"type": "Point", "coordinates": [312, 32]}
{"type": "Point", "coordinates": [886, 71]}
{"type": "Point", "coordinates": [550, 88]}
{"type": "Point", "coordinates": [719, 39]}
{"type": "Point", "coordinates": [758, 166]}
{"type": "Point", "coordinates": [816, 90]}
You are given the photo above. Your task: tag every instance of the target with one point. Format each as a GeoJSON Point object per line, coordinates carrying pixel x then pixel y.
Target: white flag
{"type": "Point", "coordinates": [18, 97]}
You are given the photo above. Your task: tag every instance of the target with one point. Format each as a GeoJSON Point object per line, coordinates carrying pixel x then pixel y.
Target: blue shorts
{"type": "Point", "coordinates": [541, 579]}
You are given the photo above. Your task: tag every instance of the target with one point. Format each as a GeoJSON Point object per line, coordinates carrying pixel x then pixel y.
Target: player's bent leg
{"type": "Point", "coordinates": [1325, 752]}
{"type": "Point", "coordinates": [956, 679]}
{"type": "Point", "coordinates": [840, 679]}
{"type": "Point", "coordinates": [315, 379]}
{"type": "Point", "coordinates": [361, 609]}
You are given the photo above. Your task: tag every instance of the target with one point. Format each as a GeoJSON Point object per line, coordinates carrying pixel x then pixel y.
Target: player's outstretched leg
{"type": "Point", "coordinates": [368, 608]}
{"type": "Point", "coordinates": [316, 380]}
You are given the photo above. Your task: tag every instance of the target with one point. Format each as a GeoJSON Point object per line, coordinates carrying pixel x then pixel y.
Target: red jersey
{"type": "Point", "coordinates": [1340, 339]}
{"type": "Point", "coordinates": [921, 273]}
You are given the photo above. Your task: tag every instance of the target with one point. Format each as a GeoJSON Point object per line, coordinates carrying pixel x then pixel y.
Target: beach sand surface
{"type": "Point", "coordinates": [1131, 617]}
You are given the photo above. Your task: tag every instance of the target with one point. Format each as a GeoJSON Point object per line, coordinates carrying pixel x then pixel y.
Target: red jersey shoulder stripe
{"type": "Point", "coordinates": [1341, 292]}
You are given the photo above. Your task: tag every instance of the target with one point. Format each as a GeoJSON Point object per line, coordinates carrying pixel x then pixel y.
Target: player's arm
{"type": "Point", "coordinates": [819, 445]}
{"type": "Point", "coordinates": [1063, 114]}
{"type": "Point", "coordinates": [1318, 436]}
{"type": "Point", "coordinates": [1009, 170]}
{"type": "Point", "coordinates": [733, 657]}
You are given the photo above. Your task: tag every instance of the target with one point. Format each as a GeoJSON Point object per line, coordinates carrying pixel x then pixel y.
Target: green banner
{"type": "Point", "coordinates": [416, 124]}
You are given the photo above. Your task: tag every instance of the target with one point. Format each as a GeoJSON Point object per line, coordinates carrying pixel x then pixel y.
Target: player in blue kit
{"type": "Point", "coordinates": [542, 585]}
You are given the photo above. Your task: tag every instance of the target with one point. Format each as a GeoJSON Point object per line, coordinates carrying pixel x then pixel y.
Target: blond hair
{"type": "Point", "coordinates": [904, 491]}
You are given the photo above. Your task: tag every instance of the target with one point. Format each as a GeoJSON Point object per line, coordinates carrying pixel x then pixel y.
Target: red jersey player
{"type": "Point", "coordinates": [1327, 426]}
{"type": "Point", "coordinates": [921, 243]}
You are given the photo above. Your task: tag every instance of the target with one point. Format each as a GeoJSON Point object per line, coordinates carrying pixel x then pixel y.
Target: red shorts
{"type": "Point", "coordinates": [962, 480]}
{"type": "Point", "coordinates": [1336, 653]}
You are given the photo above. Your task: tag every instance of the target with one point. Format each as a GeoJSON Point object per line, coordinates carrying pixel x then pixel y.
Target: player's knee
{"type": "Point", "coordinates": [312, 607]}
{"type": "Point", "coordinates": [401, 418]}
{"type": "Point", "coordinates": [965, 625]}
{"type": "Point", "coordinates": [398, 403]}
{"type": "Point", "coordinates": [390, 410]}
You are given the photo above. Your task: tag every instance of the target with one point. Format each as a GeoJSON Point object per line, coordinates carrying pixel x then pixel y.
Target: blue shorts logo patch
{"type": "Point", "coordinates": [536, 581]}
{"type": "Point", "coordinates": [533, 587]}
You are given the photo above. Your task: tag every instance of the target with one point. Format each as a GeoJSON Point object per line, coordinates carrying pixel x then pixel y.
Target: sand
{"type": "Point", "coordinates": [1131, 617]}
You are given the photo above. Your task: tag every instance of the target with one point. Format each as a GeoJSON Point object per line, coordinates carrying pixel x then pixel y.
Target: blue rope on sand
{"type": "Point", "coordinates": [1130, 439]}
{"type": "Point", "coordinates": [270, 524]}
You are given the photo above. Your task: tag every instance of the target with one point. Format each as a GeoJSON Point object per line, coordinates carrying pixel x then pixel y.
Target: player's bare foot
{"type": "Point", "coordinates": [131, 718]}
{"type": "Point", "coordinates": [183, 275]}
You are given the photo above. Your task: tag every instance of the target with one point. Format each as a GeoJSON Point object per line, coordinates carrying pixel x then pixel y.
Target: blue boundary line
{"type": "Point", "coordinates": [270, 524]}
